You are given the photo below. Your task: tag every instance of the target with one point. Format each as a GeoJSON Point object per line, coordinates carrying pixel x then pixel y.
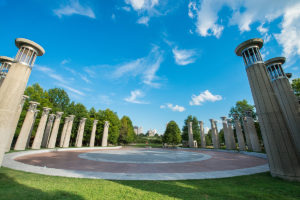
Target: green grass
{"type": "Point", "coordinates": [20, 185]}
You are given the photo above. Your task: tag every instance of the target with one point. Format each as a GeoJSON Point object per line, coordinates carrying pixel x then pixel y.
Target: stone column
{"type": "Point", "coordinates": [247, 136]}
{"type": "Point", "coordinates": [239, 133]}
{"type": "Point", "coordinates": [26, 127]}
{"type": "Point", "coordinates": [63, 133]}
{"type": "Point", "coordinates": [46, 136]}
{"type": "Point", "coordinates": [287, 100]}
{"type": "Point", "coordinates": [228, 141]}
{"type": "Point", "coordinates": [40, 130]}
{"type": "Point", "coordinates": [13, 88]}
{"type": "Point", "coordinates": [80, 133]}
{"type": "Point", "coordinates": [202, 135]}
{"type": "Point", "coordinates": [282, 153]}
{"type": "Point", "coordinates": [105, 134]}
{"type": "Point", "coordinates": [214, 134]}
{"type": "Point", "coordinates": [231, 134]}
{"type": "Point", "coordinates": [6, 63]}
{"type": "Point", "coordinates": [252, 132]}
{"type": "Point", "coordinates": [190, 132]}
{"type": "Point", "coordinates": [32, 126]}
{"type": "Point", "coordinates": [54, 132]}
{"type": "Point", "coordinates": [15, 122]}
{"type": "Point", "coordinates": [93, 134]}
{"type": "Point", "coordinates": [68, 132]}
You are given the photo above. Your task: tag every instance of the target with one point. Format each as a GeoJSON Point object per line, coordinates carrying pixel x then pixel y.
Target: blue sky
{"type": "Point", "coordinates": [152, 60]}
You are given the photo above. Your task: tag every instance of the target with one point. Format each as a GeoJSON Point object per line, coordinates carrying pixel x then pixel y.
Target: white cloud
{"type": "Point", "coordinates": [184, 56]}
{"type": "Point", "coordinates": [72, 89]}
{"type": "Point", "coordinates": [248, 13]}
{"type": "Point", "coordinates": [143, 20]}
{"type": "Point", "coordinates": [175, 108]}
{"type": "Point", "coordinates": [74, 7]}
{"type": "Point", "coordinates": [104, 99]}
{"type": "Point", "coordinates": [145, 68]}
{"type": "Point", "coordinates": [203, 97]}
{"type": "Point", "coordinates": [65, 61]}
{"type": "Point", "coordinates": [142, 4]}
{"type": "Point", "coordinates": [134, 95]}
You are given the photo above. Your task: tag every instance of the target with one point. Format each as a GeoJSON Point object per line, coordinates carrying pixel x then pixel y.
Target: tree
{"type": "Point", "coordinates": [59, 98]}
{"type": "Point", "coordinates": [221, 136]}
{"type": "Point", "coordinates": [127, 134]}
{"type": "Point", "coordinates": [195, 126]}
{"type": "Point", "coordinates": [114, 125]}
{"type": "Point", "coordinates": [296, 86]}
{"type": "Point", "coordinates": [172, 134]}
{"type": "Point", "coordinates": [208, 138]}
{"type": "Point", "coordinates": [240, 108]}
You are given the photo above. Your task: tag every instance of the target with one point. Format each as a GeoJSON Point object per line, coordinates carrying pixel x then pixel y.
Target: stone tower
{"type": "Point", "coordinates": [282, 155]}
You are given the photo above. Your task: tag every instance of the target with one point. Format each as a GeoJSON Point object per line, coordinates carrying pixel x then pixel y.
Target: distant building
{"type": "Point", "coordinates": [138, 130]}
{"type": "Point", "coordinates": [151, 132]}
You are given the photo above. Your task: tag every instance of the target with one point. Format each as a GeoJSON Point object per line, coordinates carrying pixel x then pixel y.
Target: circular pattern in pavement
{"type": "Point", "coordinates": [144, 156]}
{"type": "Point", "coordinates": [118, 163]}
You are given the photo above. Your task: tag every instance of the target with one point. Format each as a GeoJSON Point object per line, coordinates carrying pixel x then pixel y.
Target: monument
{"type": "Point", "coordinates": [63, 133]}
{"type": "Point", "coordinates": [105, 134]}
{"type": "Point", "coordinates": [227, 134]}
{"type": "Point", "coordinates": [252, 132]}
{"type": "Point", "coordinates": [68, 131]}
{"type": "Point", "coordinates": [93, 134]}
{"type": "Point", "coordinates": [282, 154]}
{"type": "Point", "coordinates": [13, 87]}
{"type": "Point", "coordinates": [190, 132]}
{"type": "Point", "coordinates": [47, 132]}
{"type": "Point", "coordinates": [214, 134]}
{"type": "Point", "coordinates": [80, 132]}
{"type": "Point", "coordinates": [40, 130]}
{"type": "Point", "coordinates": [54, 132]}
{"type": "Point", "coordinates": [239, 133]}
{"type": "Point", "coordinates": [202, 135]}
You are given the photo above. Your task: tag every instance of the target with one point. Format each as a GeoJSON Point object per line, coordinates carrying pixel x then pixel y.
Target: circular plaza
{"type": "Point", "coordinates": [116, 163]}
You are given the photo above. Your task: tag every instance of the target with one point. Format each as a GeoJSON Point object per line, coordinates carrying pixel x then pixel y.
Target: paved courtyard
{"type": "Point", "coordinates": [138, 164]}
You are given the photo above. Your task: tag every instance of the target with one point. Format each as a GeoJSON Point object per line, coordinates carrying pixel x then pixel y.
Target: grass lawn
{"type": "Point", "coordinates": [20, 185]}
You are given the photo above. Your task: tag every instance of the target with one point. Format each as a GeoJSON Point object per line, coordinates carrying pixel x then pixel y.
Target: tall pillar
{"type": "Point", "coordinates": [252, 132]}
{"type": "Point", "coordinates": [228, 141]}
{"type": "Point", "coordinates": [32, 126]}
{"type": "Point", "coordinates": [202, 135]}
{"type": "Point", "coordinates": [287, 100]}
{"type": "Point", "coordinates": [214, 134]}
{"type": "Point", "coordinates": [68, 132]}
{"type": "Point", "coordinates": [239, 133]}
{"type": "Point", "coordinates": [231, 134]}
{"type": "Point", "coordinates": [13, 88]}
{"type": "Point", "coordinates": [6, 62]}
{"type": "Point", "coordinates": [54, 132]}
{"type": "Point", "coordinates": [93, 134]}
{"type": "Point", "coordinates": [247, 133]}
{"type": "Point", "coordinates": [40, 130]}
{"type": "Point", "coordinates": [46, 136]}
{"type": "Point", "coordinates": [281, 151]}
{"type": "Point", "coordinates": [80, 133]}
{"type": "Point", "coordinates": [105, 134]}
{"type": "Point", "coordinates": [63, 133]}
{"type": "Point", "coordinates": [15, 122]}
{"type": "Point", "coordinates": [26, 127]}
{"type": "Point", "coordinates": [190, 132]}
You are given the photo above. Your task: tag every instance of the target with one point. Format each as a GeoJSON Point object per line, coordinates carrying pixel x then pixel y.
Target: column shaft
{"type": "Point", "coordinates": [46, 136]}
{"type": "Point", "coordinates": [202, 135]}
{"type": "Point", "coordinates": [105, 134]}
{"type": "Point", "coordinates": [68, 132]}
{"type": "Point", "coordinates": [40, 130]}
{"type": "Point", "coordinates": [53, 136]}
{"type": "Point", "coordinates": [247, 134]}
{"type": "Point", "coordinates": [253, 135]}
{"type": "Point", "coordinates": [93, 134]}
{"type": "Point", "coordinates": [239, 135]}
{"type": "Point", "coordinates": [63, 133]}
{"type": "Point", "coordinates": [80, 133]}
{"type": "Point", "coordinates": [231, 134]}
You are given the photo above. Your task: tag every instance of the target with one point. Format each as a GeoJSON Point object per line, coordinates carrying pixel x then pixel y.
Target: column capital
{"type": "Point", "coordinates": [201, 122]}
{"type": "Point", "coordinates": [59, 114]}
{"type": "Point", "coordinates": [32, 106]}
{"type": "Point", "coordinates": [46, 110]}
{"type": "Point", "coordinates": [82, 120]}
{"type": "Point", "coordinates": [51, 117]}
{"type": "Point", "coordinates": [71, 117]}
{"type": "Point", "coordinates": [106, 124]}
{"type": "Point", "coordinates": [95, 122]}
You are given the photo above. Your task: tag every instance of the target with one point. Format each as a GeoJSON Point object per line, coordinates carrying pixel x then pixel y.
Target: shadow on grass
{"type": "Point", "coordinates": [11, 190]}
{"type": "Point", "coordinates": [260, 186]}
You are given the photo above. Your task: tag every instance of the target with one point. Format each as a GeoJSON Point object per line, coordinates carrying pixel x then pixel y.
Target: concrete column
{"type": "Point", "coordinates": [282, 153]}
{"type": "Point", "coordinates": [68, 132]}
{"type": "Point", "coordinates": [252, 132]}
{"type": "Point", "coordinates": [13, 88]}
{"type": "Point", "coordinates": [93, 134]}
{"type": "Point", "coordinates": [231, 134]}
{"type": "Point", "coordinates": [15, 122]}
{"type": "Point", "coordinates": [105, 134]}
{"type": "Point", "coordinates": [26, 127]}
{"type": "Point", "coordinates": [247, 134]}
{"type": "Point", "coordinates": [80, 133]}
{"type": "Point", "coordinates": [46, 136]}
{"type": "Point", "coordinates": [239, 133]}
{"type": "Point", "coordinates": [63, 133]}
{"type": "Point", "coordinates": [6, 63]}
{"type": "Point", "coordinates": [32, 126]}
{"type": "Point", "coordinates": [202, 135]}
{"type": "Point", "coordinates": [190, 132]}
{"type": "Point", "coordinates": [54, 132]}
{"type": "Point", "coordinates": [214, 134]}
{"type": "Point", "coordinates": [217, 133]}
{"type": "Point", "coordinates": [40, 130]}
{"type": "Point", "coordinates": [228, 140]}
{"type": "Point", "coordinates": [287, 100]}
